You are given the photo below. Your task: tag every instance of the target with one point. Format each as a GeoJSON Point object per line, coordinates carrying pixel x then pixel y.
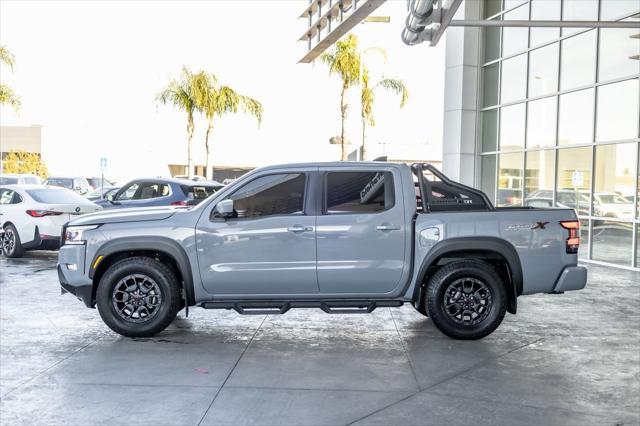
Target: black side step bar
{"type": "Point", "coordinates": [268, 307]}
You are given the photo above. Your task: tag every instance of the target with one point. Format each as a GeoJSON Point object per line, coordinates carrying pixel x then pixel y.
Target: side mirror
{"type": "Point", "coordinates": [109, 197]}
{"type": "Point", "coordinates": [77, 189]}
{"type": "Point", "coordinates": [224, 209]}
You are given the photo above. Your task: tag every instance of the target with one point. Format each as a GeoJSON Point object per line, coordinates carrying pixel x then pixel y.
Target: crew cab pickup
{"type": "Point", "coordinates": [344, 237]}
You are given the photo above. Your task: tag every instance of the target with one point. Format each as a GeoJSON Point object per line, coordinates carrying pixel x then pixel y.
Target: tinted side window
{"type": "Point", "coordinates": [6, 196]}
{"type": "Point", "coordinates": [270, 195]}
{"type": "Point", "coordinates": [152, 190]}
{"type": "Point", "coordinates": [359, 192]}
{"type": "Point", "coordinates": [127, 193]}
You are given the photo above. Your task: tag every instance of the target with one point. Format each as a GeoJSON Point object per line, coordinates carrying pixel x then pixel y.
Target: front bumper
{"type": "Point", "coordinates": [571, 278]}
{"type": "Point", "coordinates": [71, 273]}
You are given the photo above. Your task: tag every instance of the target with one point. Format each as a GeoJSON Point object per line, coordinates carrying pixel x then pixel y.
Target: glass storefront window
{"type": "Point", "coordinates": [578, 60]}
{"type": "Point", "coordinates": [488, 176]}
{"type": "Point", "coordinates": [514, 79]}
{"type": "Point", "coordinates": [617, 114]}
{"type": "Point", "coordinates": [543, 70]}
{"type": "Point", "coordinates": [544, 10]}
{"type": "Point", "coordinates": [514, 39]}
{"type": "Point", "coordinates": [618, 53]}
{"type": "Point", "coordinates": [490, 130]}
{"type": "Point", "coordinates": [539, 177]}
{"type": "Point", "coordinates": [615, 180]}
{"type": "Point", "coordinates": [573, 185]}
{"type": "Point", "coordinates": [512, 127]}
{"type": "Point", "coordinates": [612, 241]}
{"type": "Point", "coordinates": [541, 123]}
{"type": "Point", "coordinates": [576, 118]}
{"type": "Point", "coordinates": [491, 43]}
{"type": "Point", "coordinates": [616, 9]}
{"type": "Point", "coordinates": [510, 179]}
{"type": "Point", "coordinates": [583, 250]}
{"type": "Point", "coordinates": [579, 10]}
{"type": "Point", "coordinates": [490, 85]}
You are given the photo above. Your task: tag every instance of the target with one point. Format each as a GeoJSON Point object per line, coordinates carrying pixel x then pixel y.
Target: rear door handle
{"type": "Point", "coordinates": [387, 227]}
{"type": "Point", "coordinates": [300, 228]}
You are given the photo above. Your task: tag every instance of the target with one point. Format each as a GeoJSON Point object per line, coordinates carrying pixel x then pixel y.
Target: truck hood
{"type": "Point", "coordinates": [126, 215]}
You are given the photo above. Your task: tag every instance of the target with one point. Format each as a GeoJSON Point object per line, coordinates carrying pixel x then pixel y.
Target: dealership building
{"type": "Point", "coordinates": [535, 115]}
{"type": "Point", "coordinates": [549, 116]}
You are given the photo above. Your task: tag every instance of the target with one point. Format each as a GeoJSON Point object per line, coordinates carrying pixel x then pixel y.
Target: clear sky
{"type": "Point", "coordinates": [88, 72]}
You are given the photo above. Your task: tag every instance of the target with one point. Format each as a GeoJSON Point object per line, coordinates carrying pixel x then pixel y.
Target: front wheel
{"type": "Point", "coordinates": [138, 297]}
{"type": "Point", "coordinates": [466, 299]}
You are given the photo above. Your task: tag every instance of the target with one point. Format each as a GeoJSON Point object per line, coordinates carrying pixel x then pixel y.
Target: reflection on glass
{"type": "Point", "coordinates": [611, 242]}
{"type": "Point", "coordinates": [583, 249]}
{"type": "Point", "coordinates": [638, 186]}
{"type": "Point", "coordinates": [510, 179]}
{"type": "Point", "coordinates": [488, 178]}
{"type": "Point", "coordinates": [618, 53]}
{"type": "Point", "coordinates": [638, 245]}
{"type": "Point", "coordinates": [579, 10]}
{"type": "Point", "coordinates": [574, 179]}
{"type": "Point", "coordinates": [490, 130]}
{"type": "Point", "coordinates": [512, 127]}
{"type": "Point", "coordinates": [514, 79]}
{"type": "Point", "coordinates": [490, 84]}
{"type": "Point", "coordinates": [544, 10]}
{"type": "Point", "coordinates": [576, 118]}
{"type": "Point", "coordinates": [491, 43]}
{"type": "Point", "coordinates": [578, 60]}
{"type": "Point", "coordinates": [491, 7]}
{"type": "Point", "coordinates": [543, 70]}
{"type": "Point", "coordinates": [615, 180]}
{"type": "Point", "coordinates": [515, 39]}
{"type": "Point", "coordinates": [616, 9]}
{"type": "Point", "coordinates": [539, 176]}
{"type": "Point", "coordinates": [541, 123]}
{"type": "Point", "coordinates": [617, 111]}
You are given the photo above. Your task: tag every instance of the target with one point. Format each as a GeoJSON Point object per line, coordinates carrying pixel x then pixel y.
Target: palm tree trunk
{"type": "Point", "coordinates": [343, 116]}
{"type": "Point", "coordinates": [363, 152]}
{"type": "Point", "coordinates": [206, 147]}
{"type": "Point", "coordinates": [189, 171]}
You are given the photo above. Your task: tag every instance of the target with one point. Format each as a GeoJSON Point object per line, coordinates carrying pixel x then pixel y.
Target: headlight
{"type": "Point", "coordinates": [73, 234]}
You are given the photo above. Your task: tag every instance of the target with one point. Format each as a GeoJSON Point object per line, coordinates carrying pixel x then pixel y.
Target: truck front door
{"type": "Point", "coordinates": [361, 232]}
{"type": "Point", "coordinates": [269, 246]}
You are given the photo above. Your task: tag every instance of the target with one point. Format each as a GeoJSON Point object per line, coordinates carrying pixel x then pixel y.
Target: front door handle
{"type": "Point", "coordinates": [300, 228]}
{"type": "Point", "coordinates": [387, 227]}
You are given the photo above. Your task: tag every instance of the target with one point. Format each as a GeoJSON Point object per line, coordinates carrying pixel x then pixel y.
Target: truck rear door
{"type": "Point", "coordinates": [361, 231]}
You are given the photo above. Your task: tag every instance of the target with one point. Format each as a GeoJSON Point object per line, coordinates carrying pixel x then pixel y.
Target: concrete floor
{"type": "Point", "coordinates": [570, 359]}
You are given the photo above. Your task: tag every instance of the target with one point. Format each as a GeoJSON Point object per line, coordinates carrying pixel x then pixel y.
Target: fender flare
{"type": "Point", "coordinates": [158, 244]}
{"type": "Point", "coordinates": [477, 244]}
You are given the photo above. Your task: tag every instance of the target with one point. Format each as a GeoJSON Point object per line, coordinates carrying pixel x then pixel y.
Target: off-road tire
{"type": "Point", "coordinates": [166, 282]}
{"type": "Point", "coordinates": [452, 273]}
{"type": "Point", "coordinates": [18, 250]}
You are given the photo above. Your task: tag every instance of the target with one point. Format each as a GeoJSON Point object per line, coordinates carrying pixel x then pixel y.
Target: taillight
{"type": "Point", "coordinates": [179, 203]}
{"type": "Point", "coordinates": [573, 242]}
{"type": "Point", "coordinates": [42, 213]}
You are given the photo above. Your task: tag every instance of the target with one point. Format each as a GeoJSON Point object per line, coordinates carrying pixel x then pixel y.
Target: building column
{"type": "Point", "coordinates": [460, 159]}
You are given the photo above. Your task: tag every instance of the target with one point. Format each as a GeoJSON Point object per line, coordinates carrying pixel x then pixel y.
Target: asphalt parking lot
{"type": "Point", "coordinates": [571, 359]}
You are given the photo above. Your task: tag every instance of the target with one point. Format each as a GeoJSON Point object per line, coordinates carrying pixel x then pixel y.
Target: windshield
{"type": "Point", "coordinates": [55, 196]}
{"type": "Point", "coordinates": [62, 182]}
{"type": "Point", "coordinates": [611, 199]}
{"type": "Point", "coordinates": [8, 180]}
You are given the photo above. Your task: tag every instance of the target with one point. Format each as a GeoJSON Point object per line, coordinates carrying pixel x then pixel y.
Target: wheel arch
{"type": "Point", "coordinates": [164, 249]}
{"type": "Point", "coordinates": [494, 250]}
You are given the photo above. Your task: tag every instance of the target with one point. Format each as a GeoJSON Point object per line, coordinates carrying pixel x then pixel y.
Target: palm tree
{"type": "Point", "coordinates": [183, 93]}
{"type": "Point", "coordinates": [367, 99]}
{"type": "Point", "coordinates": [215, 100]}
{"type": "Point", "coordinates": [7, 95]}
{"type": "Point", "coordinates": [344, 60]}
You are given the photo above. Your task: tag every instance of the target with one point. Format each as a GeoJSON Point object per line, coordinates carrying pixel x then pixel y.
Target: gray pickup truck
{"type": "Point", "coordinates": [343, 237]}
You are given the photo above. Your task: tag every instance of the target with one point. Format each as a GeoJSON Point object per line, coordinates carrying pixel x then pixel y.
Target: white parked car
{"type": "Point", "coordinates": [32, 216]}
{"type": "Point", "coordinates": [19, 179]}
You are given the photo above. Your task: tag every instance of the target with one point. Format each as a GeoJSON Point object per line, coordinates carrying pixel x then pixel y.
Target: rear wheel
{"type": "Point", "coordinates": [11, 244]}
{"type": "Point", "coordinates": [466, 299]}
{"type": "Point", "coordinates": [138, 297]}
